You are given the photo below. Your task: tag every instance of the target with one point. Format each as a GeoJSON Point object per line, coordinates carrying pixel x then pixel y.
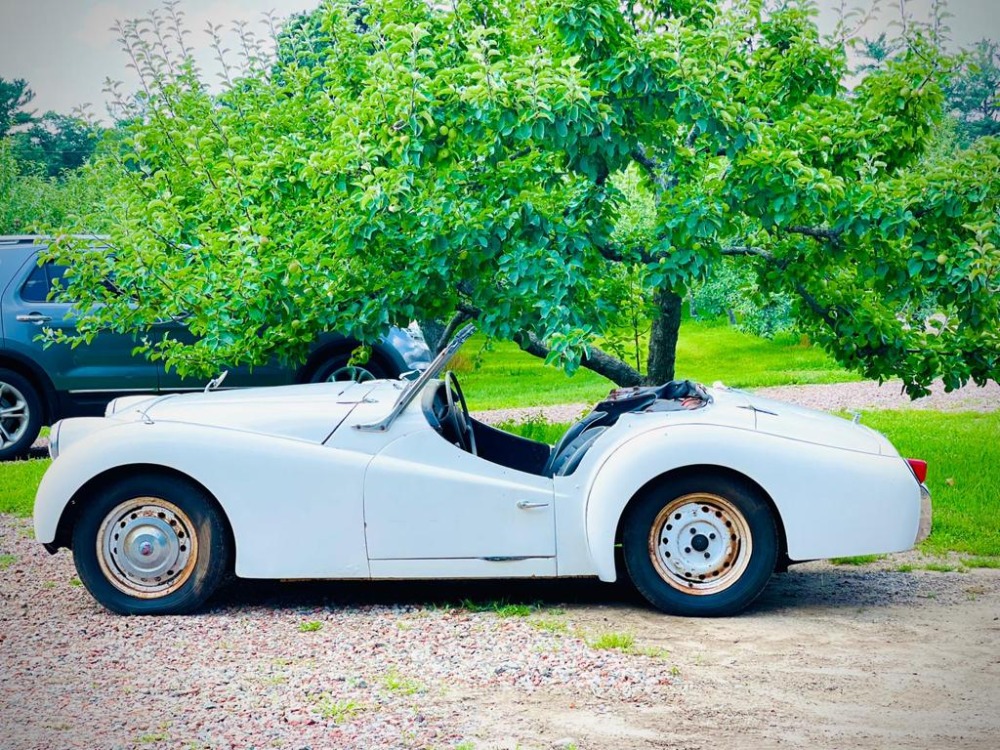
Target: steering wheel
{"type": "Point", "coordinates": [457, 417]}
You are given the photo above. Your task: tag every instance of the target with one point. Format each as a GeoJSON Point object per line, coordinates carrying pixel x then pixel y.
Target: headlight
{"type": "Point", "coordinates": [54, 440]}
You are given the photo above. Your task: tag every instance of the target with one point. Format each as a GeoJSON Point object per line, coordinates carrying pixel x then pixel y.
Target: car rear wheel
{"type": "Point", "coordinates": [700, 546]}
{"type": "Point", "coordinates": [150, 545]}
{"type": "Point", "coordinates": [20, 414]}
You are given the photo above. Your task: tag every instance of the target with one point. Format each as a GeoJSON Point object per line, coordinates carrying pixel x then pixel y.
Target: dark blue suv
{"type": "Point", "coordinates": [39, 385]}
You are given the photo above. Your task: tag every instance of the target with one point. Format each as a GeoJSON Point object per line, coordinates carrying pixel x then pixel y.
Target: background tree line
{"type": "Point", "coordinates": [40, 162]}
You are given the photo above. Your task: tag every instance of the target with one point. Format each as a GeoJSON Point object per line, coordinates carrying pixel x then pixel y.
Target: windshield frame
{"type": "Point", "coordinates": [416, 386]}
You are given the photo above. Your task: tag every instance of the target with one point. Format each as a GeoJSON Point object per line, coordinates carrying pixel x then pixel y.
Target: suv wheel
{"type": "Point", "coordinates": [337, 368]}
{"type": "Point", "coordinates": [20, 414]}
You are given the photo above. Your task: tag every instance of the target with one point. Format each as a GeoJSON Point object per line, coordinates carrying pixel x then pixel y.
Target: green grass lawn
{"type": "Point", "coordinates": [18, 482]}
{"type": "Point", "coordinates": [503, 376]}
{"type": "Point", "coordinates": [963, 455]}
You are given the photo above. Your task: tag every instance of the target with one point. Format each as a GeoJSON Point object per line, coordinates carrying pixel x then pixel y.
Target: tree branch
{"type": "Point", "coordinates": [818, 233]}
{"type": "Point", "coordinates": [805, 294]}
{"type": "Point", "coordinates": [692, 136]}
{"type": "Point", "coordinates": [814, 305]}
{"type": "Point", "coordinates": [657, 172]}
{"type": "Point", "coordinates": [598, 361]}
{"type": "Point", "coordinates": [614, 254]}
{"type": "Point", "coordinates": [457, 319]}
{"type": "Point", "coordinates": [736, 250]}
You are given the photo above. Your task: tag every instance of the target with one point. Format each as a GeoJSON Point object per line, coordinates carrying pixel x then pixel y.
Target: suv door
{"type": "Point", "coordinates": [87, 373]}
{"type": "Point", "coordinates": [238, 377]}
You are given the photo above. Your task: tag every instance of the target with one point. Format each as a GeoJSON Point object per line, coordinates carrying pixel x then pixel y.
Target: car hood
{"type": "Point", "coordinates": [301, 412]}
{"type": "Point", "coordinates": [804, 424]}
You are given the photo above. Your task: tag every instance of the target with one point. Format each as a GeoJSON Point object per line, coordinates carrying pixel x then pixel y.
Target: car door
{"type": "Point", "coordinates": [433, 510]}
{"type": "Point", "coordinates": [86, 371]}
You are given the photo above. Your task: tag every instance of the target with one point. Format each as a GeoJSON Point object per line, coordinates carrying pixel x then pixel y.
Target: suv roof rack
{"type": "Point", "coordinates": [17, 239]}
{"type": "Point", "coordinates": [28, 239]}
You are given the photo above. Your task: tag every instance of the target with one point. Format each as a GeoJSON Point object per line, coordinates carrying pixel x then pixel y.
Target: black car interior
{"type": "Point", "coordinates": [447, 412]}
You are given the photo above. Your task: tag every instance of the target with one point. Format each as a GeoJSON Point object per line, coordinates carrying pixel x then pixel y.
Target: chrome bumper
{"type": "Point", "coordinates": [924, 529]}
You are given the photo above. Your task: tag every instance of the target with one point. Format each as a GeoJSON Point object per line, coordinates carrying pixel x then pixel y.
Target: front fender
{"type": "Point", "coordinates": [294, 507]}
{"type": "Point", "coordinates": [831, 502]}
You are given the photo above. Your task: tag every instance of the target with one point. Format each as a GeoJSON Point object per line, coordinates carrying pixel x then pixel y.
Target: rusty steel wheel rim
{"type": "Point", "coordinates": [700, 543]}
{"type": "Point", "coordinates": [147, 547]}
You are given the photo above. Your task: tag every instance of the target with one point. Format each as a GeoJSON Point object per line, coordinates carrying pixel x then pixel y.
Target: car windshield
{"type": "Point", "coordinates": [416, 386]}
{"type": "Point", "coordinates": [438, 364]}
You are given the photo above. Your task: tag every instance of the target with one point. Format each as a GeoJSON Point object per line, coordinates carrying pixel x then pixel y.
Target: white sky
{"type": "Point", "coordinates": [65, 48]}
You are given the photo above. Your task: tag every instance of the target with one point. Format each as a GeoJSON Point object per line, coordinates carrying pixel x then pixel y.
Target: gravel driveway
{"type": "Point", "coordinates": [829, 657]}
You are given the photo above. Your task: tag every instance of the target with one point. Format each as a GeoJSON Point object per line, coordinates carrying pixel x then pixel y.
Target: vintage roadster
{"type": "Point", "coordinates": [696, 494]}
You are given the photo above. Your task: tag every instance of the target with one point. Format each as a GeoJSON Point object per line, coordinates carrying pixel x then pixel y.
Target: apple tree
{"type": "Point", "coordinates": [529, 165]}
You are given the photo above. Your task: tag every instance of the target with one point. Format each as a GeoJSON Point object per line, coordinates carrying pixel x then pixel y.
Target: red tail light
{"type": "Point", "coordinates": [919, 468]}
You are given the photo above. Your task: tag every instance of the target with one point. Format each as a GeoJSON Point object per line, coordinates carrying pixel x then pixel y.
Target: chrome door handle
{"type": "Point", "coordinates": [528, 505]}
{"type": "Point", "coordinates": [33, 318]}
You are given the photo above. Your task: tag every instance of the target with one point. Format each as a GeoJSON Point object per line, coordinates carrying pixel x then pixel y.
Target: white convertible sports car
{"type": "Point", "coordinates": [696, 494]}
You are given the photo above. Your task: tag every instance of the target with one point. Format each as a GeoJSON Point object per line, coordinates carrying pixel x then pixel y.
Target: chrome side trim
{"type": "Point", "coordinates": [150, 391]}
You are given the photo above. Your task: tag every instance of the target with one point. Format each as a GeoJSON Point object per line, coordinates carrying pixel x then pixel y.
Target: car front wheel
{"type": "Point", "coordinates": [20, 414]}
{"type": "Point", "coordinates": [150, 545]}
{"type": "Point", "coordinates": [700, 546]}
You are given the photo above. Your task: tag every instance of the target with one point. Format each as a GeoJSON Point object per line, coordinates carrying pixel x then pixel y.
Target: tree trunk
{"type": "Point", "coordinates": [663, 337]}
{"type": "Point", "coordinates": [433, 330]}
{"type": "Point", "coordinates": [614, 369]}
{"type": "Point", "coordinates": [662, 348]}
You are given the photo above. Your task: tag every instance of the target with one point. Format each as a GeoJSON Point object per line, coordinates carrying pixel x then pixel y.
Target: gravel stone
{"type": "Point", "coordinates": [382, 675]}
{"type": "Point", "coordinates": [890, 395]}
{"type": "Point", "coordinates": [242, 674]}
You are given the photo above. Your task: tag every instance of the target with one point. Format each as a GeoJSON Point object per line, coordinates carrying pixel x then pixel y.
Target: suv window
{"type": "Point", "coordinates": [38, 285]}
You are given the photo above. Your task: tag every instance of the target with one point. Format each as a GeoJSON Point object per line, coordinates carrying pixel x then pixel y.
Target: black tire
{"type": "Point", "coordinates": [192, 559]}
{"type": "Point", "coordinates": [21, 423]}
{"type": "Point", "coordinates": [337, 368]}
{"type": "Point", "coordinates": [700, 545]}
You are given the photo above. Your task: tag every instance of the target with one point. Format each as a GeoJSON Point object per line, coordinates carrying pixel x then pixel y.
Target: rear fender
{"type": "Point", "coordinates": [830, 502]}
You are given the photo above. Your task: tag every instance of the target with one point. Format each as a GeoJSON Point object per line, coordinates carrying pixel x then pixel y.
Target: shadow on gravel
{"type": "Point", "coordinates": [432, 594]}
{"type": "Point", "coordinates": [796, 590]}
{"type": "Point", "coordinates": [836, 588]}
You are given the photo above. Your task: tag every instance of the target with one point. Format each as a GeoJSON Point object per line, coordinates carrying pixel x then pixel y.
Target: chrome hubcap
{"type": "Point", "coordinates": [13, 415]}
{"type": "Point", "coordinates": [147, 547]}
{"type": "Point", "coordinates": [700, 543]}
